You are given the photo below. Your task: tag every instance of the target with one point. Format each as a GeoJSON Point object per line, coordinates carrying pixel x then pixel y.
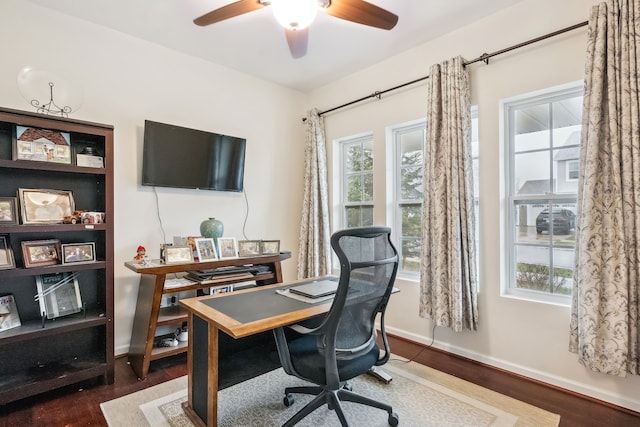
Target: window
{"type": "Point", "coordinates": [357, 179]}
{"type": "Point", "coordinates": [543, 151]}
{"type": "Point", "coordinates": [572, 170]}
{"type": "Point", "coordinates": [409, 144]}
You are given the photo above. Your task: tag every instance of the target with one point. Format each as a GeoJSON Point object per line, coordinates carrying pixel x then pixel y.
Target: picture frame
{"type": "Point", "coordinates": [42, 145]}
{"type": "Point", "coordinates": [269, 247]}
{"type": "Point", "coordinates": [248, 248]}
{"type": "Point", "coordinates": [8, 211]}
{"type": "Point", "coordinates": [40, 206]}
{"type": "Point", "coordinates": [228, 247]}
{"type": "Point", "coordinates": [38, 253]}
{"type": "Point", "coordinates": [206, 249]}
{"type": "Point", "coordinates": [58, 294]}
{"type": "Point", "coordinates": [78, 253]}
{"type": "Point", "coordinates": [7, 260]}
{"type": "Point", "coordinates": [178, 254]}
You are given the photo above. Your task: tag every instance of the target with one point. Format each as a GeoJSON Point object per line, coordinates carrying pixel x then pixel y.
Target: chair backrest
{"type": "Point", "coordinates": [368, 267]}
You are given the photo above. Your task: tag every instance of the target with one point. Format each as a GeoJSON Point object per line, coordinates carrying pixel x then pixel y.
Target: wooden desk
{"type": "Point", "coordinates": [238, 314]}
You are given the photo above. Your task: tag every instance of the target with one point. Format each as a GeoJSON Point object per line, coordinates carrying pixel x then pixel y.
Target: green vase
{"type": "Point", "coordinates": [212, 228]}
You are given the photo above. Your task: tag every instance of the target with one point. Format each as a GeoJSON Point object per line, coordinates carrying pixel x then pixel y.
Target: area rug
{"type": "Point", "coordinates": [421, 396]}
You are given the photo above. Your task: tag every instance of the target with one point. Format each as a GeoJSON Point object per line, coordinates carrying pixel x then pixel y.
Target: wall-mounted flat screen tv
{"type": "Point", "coordinates": [179, 157]}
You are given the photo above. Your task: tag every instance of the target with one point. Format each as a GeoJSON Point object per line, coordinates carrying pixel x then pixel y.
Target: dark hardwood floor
{"type": "Point", "coordinates": [79, 405]}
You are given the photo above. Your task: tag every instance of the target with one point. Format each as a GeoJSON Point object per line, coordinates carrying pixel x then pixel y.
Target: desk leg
{"type": "Point", "coordinates": [202, 405]}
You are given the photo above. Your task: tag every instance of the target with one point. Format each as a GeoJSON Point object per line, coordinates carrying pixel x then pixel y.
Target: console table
{"type": "Point", "coordinates": [150, 315]}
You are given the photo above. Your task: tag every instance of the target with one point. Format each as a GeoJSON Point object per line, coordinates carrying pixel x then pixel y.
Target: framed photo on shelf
{"type": "Point", "coordinates": [8, 211]}
{"type": "Point", "coordinates": [42, 145]}
{"type": "Point", "coordinates": [206, 249]}
{"type": "Point", "coordinates": [7, 260]}
{"type": "Point", "coordinates": [270, 247]}
{"type": "Point", "coordinates": [228, 247]}
{"type": "Point", "coordinates": [178, 254]}
{"type": "Point", "coordinates": [58, 294]}
{"type": "Point", "coordinates": [45, 206]}
{"type": "Point", "coordinates": [37, 253]}
{"type": "Point", "coordinates": [248, 248]}
{"type": "Point", "coordinates": [78, 253]}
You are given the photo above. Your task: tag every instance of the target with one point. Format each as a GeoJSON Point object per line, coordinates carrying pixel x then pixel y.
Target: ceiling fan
{"type": "Point", "coordinates": [296, 16]}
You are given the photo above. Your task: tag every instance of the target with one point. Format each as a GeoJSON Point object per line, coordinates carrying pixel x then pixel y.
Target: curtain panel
{"type": "Point", "coordinates": [314, 251]}
{"type": "Point", "coordinates": [448, 274]}
{"type": "Point", "coordinates": [604, 313]}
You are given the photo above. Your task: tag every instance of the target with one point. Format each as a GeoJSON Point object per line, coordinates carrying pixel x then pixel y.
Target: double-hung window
{"type": "Point", "coordinates": [409, 144]}
{"type": "Point", "coordinates": [357, 181]}
{"type": "Point", "coordinates": [409, 150]}
{"type": "Point", "coordinates": [543, 151]}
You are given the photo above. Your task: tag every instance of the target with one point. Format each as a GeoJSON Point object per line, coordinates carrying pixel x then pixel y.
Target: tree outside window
{"type": "Point", "coordinates": [357, 169]}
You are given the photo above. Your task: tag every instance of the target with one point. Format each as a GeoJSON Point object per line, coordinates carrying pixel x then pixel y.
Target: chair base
{"type": "Point", "coordinates": [332, 398]}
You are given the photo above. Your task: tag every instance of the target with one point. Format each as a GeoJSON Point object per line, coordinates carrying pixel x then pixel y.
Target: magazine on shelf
{"type": "Point", "coordinates": [9, 317]}
{"type": "Point", "coordinates": [58, 294]}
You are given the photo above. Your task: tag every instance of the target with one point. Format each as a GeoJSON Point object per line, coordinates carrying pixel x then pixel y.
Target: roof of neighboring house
{"type": "Point", "coordinates": [535, 186]}
{"type": "Point", "coordinates": [55, 137]}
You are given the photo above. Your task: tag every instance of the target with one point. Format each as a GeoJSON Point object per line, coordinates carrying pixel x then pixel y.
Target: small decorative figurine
{"type": "Point", "coordinates": [142, 255]}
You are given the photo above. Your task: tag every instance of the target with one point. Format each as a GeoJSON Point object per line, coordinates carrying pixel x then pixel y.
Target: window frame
{"type": "Point", "coordinates": [509, 252]}
{"type": "Point", "coordinates": [395, 203]}
{"type": "Point", "coordinates": [393, 134]}
{"type": "Point", "coordinates": [344, 144]}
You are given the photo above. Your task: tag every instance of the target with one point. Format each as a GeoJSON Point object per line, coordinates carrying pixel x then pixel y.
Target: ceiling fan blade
{"type": "Point", "coordinates": [229, 11]}
{"type": "Point", "coordinates": [298, 41]}
{"type": "Point", "coordinates": [362, 12]}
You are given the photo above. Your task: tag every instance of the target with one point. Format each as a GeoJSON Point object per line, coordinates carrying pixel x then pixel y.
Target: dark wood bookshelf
{"type": "Point", "coordinates": [44, 354]}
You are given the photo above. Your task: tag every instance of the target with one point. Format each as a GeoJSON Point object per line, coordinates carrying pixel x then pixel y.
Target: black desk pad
{"type": "Point", "coordinates": [257, 305]}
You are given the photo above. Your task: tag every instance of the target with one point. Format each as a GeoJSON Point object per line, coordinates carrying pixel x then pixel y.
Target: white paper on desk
{"type": "Point", "coordinates": [286, 293]}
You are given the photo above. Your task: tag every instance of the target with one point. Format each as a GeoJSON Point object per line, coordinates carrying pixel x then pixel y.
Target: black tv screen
{"type": "Point", "coordinates": [179, 157]}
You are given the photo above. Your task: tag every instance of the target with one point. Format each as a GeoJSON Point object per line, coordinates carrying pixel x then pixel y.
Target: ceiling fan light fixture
{"type": "Point", "coordinates": [295, 14]}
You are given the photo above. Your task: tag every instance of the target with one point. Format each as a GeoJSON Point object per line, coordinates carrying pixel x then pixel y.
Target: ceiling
{"type": "Point", "coordinates": [255, 44]}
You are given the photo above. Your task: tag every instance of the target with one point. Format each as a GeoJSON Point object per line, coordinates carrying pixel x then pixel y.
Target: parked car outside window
{"type": "Point", "coordinates": [564, 220]}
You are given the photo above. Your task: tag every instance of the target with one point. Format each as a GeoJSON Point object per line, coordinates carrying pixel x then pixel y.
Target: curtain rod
{"type": "Point", "coordinates": [484, 58]}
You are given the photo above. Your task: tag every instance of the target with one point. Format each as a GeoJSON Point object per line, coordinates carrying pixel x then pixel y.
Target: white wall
{"type": "Point", "coordinates": [125, 81]}
{"type": "Point", "coordinates": [525, 337]}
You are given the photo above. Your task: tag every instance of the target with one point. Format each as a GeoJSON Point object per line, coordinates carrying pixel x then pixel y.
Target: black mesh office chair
{"type": "Point", "coordinates": [344, 345]}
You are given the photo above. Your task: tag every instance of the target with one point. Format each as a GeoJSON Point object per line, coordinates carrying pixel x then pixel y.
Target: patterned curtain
{"type": "Point", "coordinates": [314, 252]}
{"type": "Point", "coordinates": [448, 278]}
{"type": "Point", "coordinates": [604, 313]}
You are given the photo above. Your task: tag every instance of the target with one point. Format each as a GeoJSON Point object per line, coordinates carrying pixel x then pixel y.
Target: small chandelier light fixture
{"type": "Point", "coordinates": [36, 87]}
{"type": "Point", "coordinates": [295, 14]}
{"type": "Point", "coordinates": [51, 108]}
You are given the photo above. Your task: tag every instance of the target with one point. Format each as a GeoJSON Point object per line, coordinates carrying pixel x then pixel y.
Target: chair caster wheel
{"type": "Point", "coordinates": [288, 400]}
{"type": "Point", "coordinates": [394, 419]}
{"type": "Point", "coordinates": [348, 387]}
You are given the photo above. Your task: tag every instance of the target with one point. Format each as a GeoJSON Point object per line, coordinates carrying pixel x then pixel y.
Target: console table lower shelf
{"type": "Point", "coordinates": [151, 315]}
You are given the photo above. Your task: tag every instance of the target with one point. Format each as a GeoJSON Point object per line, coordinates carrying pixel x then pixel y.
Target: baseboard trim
{"type": "Point", "coordinates": [517, 371]}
